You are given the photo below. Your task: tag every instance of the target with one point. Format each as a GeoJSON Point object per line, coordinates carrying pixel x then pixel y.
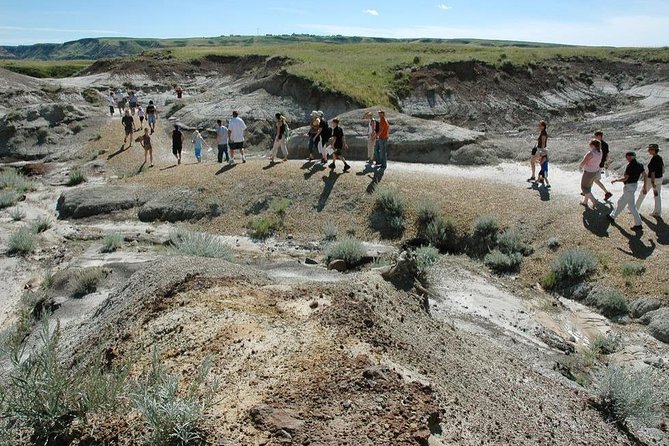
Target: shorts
{"type": "Point", "coordinates": [544, 170]}
{"type": "Point", "coordinates": [598, 175]}
{"type": "Point", "coordinates": [151, 119]}
{"type": "Point", "coordinates": [141, 119]}
{"type": "Point", "coordinates": [338, 151]}
{"type": "Point", "coordinates": [237, 145]}
{"type": "Point", "coordinates": [147, 148]}
{"type": "Point", "coordinates": [133, 104]}
{"type": "Point", "coordinates": [586, 181]}
{"type": "Point", "coordinates": [176, 150]}
{"type": "Point", "coordinates": [128, 130]}
{"type": "Point", "coordinates": [111, 109]}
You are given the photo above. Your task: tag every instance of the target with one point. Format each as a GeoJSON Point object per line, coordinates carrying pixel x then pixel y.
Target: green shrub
{"type": "Point", "coordinates": [279, 206]}
{"type": "Point", "coordinates": [425, 257]}
{"type": "Point", "coordinates": [86, 281]}
{"type": "Point", "coordinates": [349, 250]}
{"type": "Point", "coordinates": [76, 177]}
{"type": "Point", "coordinates": [553, 243]}
{"type": "Point", "coordinates": [390, 205]}
{"type": "Point", "coordinates": [426, 213]}
{"type": "Point", "coordinates": [573, 266]}
{"type": "Point", "coordinates": [610, 302]}
{"type": "Point", "coordinates": [484, 234]}
{"type": "Point", "coordinates": [8, 199]}
{"type": "Point", "coordinates": [330, 231]}
{"type": "Point", "coordinates": [17, 214]}
{"type": "Point", "coordinates": [441, 234]}
{"type": "Point", "coordinates": [501, 262]}
{"type": "Point", "coordinates": [549, 281]}
{"type": "Point", "coordinates": [173, 416]}
{"type": "Point", "coordinates": [42, 135]}
{"type": "Point", "coordinates": [11, 179]}
{"type": "Point", "coordinates": [21, 242]}
{"type": "Point", "coordinates": [41, 224]}
{"type": "Point", "coordinates": [91, 95]}
{"type": "Point", "coordinates": [605, 345]}
{"type": "Point", "coordinates": [199, 244]}
{"type": "Point", "coordinates": [633, 269]}
{"type": "Point", "coordinates": [635, 395]}
{"type": "Point", "coordinates": [510, 242]}
{"type": "Point", "coordinates": [111, 242]}
{"type": "Point", "coordinates": [262, 228]}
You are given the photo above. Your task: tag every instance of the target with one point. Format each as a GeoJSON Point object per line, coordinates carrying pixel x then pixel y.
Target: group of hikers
{"type": "Point", "coordinates": [595, 163]}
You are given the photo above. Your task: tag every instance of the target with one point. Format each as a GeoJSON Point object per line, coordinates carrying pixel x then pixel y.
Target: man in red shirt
{"type": "Point", "coordinates": [381, 147]}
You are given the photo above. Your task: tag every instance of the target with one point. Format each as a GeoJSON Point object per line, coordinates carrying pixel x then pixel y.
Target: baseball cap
{"type": "Point", "coordinates": [654, 147]}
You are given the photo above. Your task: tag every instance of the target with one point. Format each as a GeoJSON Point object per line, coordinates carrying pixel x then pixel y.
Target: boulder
{"type": "Point", "coordinates": [338, 265]}
{"type": "Point", "coordinates": [275, 420]}
{"type": "Point", "coordinates": [644, 305]}
{"type": "Point", "coordinates": [175, 205]}
{"type": "Point", "coordinates": [96, 200]}
{"type": "Point", "coordinates": [474, 155]}
{"type": "Point", "coordinates": [411, 139]}
{"type": "Point", "coordinates": [658, 324]}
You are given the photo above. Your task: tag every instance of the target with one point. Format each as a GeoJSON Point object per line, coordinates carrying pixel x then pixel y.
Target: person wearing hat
{"type": "Point", "coordinates": [313, 129]}
{"type": "Point", "coordinates": [322, 136]}
{"type": "Point", "coordinates": [381, 146]}
{"type": "Point", "coordinates": [654, 179]}
{"type": "Point", "coordinates": [236, 127]}
{"type": "Point", "coordinates": [372, 128]}
{"type": "Point", "coordinates": [630, 178]}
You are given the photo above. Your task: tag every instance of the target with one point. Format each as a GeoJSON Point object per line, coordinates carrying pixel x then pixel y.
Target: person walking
{"type": "Point", "coordinates": [603, 165]}
{"type": "Point", "coordinates": [372, 128]}
{"type": "Point", "coordinates": [313, 130]}
{"type": "Point", "coordinates": [542, 160]}
{"type": "Point", "coordinates": [322, 136]}
{"type": "Point", "coordinates": [654, 180]}
{"type": "Point", "coordinates": [128, 127]}
{"type": "Point", "coordinates": [339, 145]}
{"type": "Point", "coordinates": [381, 146]}
{"type": "Point", "coordinates": [132, 102]}
{"type": "Point", "coordinates": [151, 116]}
{"type": "Point", "coordinates": [145, 142]}
{"type": "Point", "coordinates": [280, 138]}
{"type": "Point", "coordinates": [140, 115]}
{"type": "Point", "coordinates": [111, 101]}
{"type": "Point", "coordinates": [630, 178]}
{"type": "Point", "coordinates": [198, 142]}
{"type": "Point", "coordinates": [236, 127]}
{"type": "Point", "coordinates": [179, 91]}
{"type": "Point", "coordinates": [120, 101]}
{"type": "Point", "coordinates": [177, 142]}
{"type": "Point", "coordinates": [590, 167]}
{"type": "Point", "coordinates": [222, 141]}
{"type": "Point", "coordinates": [542, 143]}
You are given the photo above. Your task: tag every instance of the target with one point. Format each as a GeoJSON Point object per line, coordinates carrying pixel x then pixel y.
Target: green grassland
{"type": "Point", "coordinates": [362, 68]}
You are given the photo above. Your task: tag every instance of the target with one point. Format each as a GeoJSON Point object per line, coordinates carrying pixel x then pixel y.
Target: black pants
{"type": "Point", "coordinates": [223, 149]}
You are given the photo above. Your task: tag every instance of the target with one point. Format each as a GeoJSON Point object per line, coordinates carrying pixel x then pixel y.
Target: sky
{"type": "Point", "coordinates": [578, 22]}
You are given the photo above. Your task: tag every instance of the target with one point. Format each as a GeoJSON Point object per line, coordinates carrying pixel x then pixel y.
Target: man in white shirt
{"type": "Point", "coordinates": [236, 127]}
{"type": "Point", "coordinates": [222, 141]}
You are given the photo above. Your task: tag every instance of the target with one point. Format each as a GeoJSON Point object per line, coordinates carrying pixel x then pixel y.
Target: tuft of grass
{"type": "Point", "coordinates": [111, 242]}
{"type": "Point", "coordinates": [172, 414]}
{"type": "Point", "coordinates": [8, 199]}
{"type": "Point", "coordinates": [425, 257]}
{"type": "Point", "coordinates": [199, 244]}
{"type": "Point", "coordinates": [442, 234]}
{"type": "Point", "coordinates": [484, 234]}
{"type": "Point", "coordinates": [610, 302]}
{"type": "Point", "coordinates": [553, 243]}
{"type": "Point", "coordinates": [12, 180]}
{"type": "Point", "coordinates": [391, 206]}
{"type": "Point", "coordinates": [501, 262]}
{"type": "Point", "coordinates": [510, 242]}
{"type": "Point", "coordinates": [426, 213]}
{"type": "Point", "coordinates": [279, 206]}
{"type": "Point", "coordinates": [605, 345]}
{"type": "Point", "coordinates": [330, 231]}
{"type": "Point", "coordinates": [86, 281]}
{"type": "Point", "coordinates": [21, 242]}
{"type": "Point", "coordinates": [637, 395]}
{"type": "Point", "coordinates": [349, 250]}
{"type": "Point", "coordinates": [262, 228]}
{"type": "Point", "coordinates": [633, 269]}
{"type": "Point", "coordinates": [573, 266]}
{"type": "Point", "coordinates": [41, 224]}
{"type": "Point", "coordinates": [17, 214]}
{"type": "Point", "coordinates": [75, 177]}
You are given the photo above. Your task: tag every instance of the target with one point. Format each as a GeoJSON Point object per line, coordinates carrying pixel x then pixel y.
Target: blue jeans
{"type": "Point", "coordinates": [198, 152]}
{"type": "Point", "coordinates": [223, 150]}
{"type": "Point", "coordinates": [381, 152]}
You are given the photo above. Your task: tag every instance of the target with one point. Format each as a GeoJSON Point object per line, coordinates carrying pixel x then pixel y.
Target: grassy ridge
{"type": "Point", "coordinates": [45, 68]}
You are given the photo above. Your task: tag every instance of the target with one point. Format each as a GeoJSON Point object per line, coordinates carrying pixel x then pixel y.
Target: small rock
{"type": "Point", "coordinates": [313, 305]}
{"type": "Point", "coordinates": [310, 261]}
{"type": "Point", "coordinates": [337, 265]}
{"type": "Point", "coordinates": [347, 404]}
{"type": "Point", "coordinates": [289, 237]}
{"type": "Point", "coordinates": [276, 420]}
{"type": "Point", "coordinates": [376, 373]}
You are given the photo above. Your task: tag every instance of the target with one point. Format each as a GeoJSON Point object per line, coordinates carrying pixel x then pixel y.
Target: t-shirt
{"type": "Point", "coordinates": [133, 99]}
{"type": "Point", "coordinates": [326, 131]}
{"type": "Point", "coordinates": [221, 135]}
{"type": "Point", "coordinates": [111, 101]}
{"type": "Point", "coordinates": [145, 140]}
{"type": "Point", "coordinates": [542, 141]}
{"type": "Point", "coordinates": [282, 130]}
{"type": "Point", "coordinates": [656, 165]}
{"type": "Point", "coordinates": [197, 140]}
{"type": "Point", "coordinates": [384, 128]}
{"type": "Point", "coordinates": [120, 98]}
{"type": "Point", "coordinates": [593, 163]}
{"type": "Point", "coordinates": [605, 153]}
{"type": "Point", "coordinates": [176, 139]}
{"type": "Point", "coordinates": [338, 134]}
{"type": "Point", "coordinates": [180, 93]}
{"type": "Point", "coordinates": [140, 112]}
{"type": "Point", "coordinates": [236, 126]}
{"type": "Point", "coordinates": [315, 125]}
{"type": "Point", "coordinates": [128, 122]}
{"type": "Point", "coordinates": [633, 171]}
{"type": "Point", "coordinates": [150, 109]}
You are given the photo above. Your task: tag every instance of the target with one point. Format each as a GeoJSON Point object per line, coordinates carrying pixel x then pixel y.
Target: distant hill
{"type": "Point", "coordinates": [99, 48]}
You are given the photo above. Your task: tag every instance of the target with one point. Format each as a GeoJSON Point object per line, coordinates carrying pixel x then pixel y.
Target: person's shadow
{"type": "Point", "coordinates": [637, 248]}
{"type": "Point", "coordinates": [168, 167]}
{"type": "Point", "coordinates": [270, 165]}
{"type": "Point", "coordinates": [118, 152]}
{"type": "Point", "coordinates": [330, 181]}
{"type": "Point", "coordinates": [376, 179]}
{"type": "Point", "coordinates": [226, 168]}
{"type": "Point", "coordinates": [318, 167]}
{"type": "Point", "coordinates": [595, 221]}
{"type": "Point", "coordinates": [544, 192]}
{"type": "Point", "coordinates": [141, 168]}
{"type": "Point", "coordinates": [660, 228]}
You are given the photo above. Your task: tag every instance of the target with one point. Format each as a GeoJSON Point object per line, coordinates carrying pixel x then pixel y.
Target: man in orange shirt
{"type": "Point", "coordinates": [381, 148]}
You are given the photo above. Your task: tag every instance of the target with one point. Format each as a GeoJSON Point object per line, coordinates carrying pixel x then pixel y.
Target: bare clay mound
{"type": "Point", "coordinates": [333, 363]}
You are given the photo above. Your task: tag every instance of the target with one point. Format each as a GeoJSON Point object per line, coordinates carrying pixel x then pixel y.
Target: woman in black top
{"type": "Point", "coordinates": [542, 143]}
{"type": "Point", "coordinates": [280, 138]}
{"type": "Point", "coordinates": [654, 180]}
{"type": "Point", "coordinates": [338, 145]}
{"type": "Point", "coordinates": [177, 143]}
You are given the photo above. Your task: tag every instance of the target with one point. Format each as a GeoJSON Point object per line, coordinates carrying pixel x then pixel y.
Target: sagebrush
{"type": "Point", "coordinates": [199, 244]}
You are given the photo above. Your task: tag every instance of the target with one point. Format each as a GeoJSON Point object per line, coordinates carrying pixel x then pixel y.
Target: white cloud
{"type": "Point", "coordinates": [443, 6]}
{"type": "Point", "coordinates": [373, 12]}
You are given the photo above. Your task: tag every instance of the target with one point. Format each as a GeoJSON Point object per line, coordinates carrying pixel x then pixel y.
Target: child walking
{"type": "Point", "coordinates": [338, 145]}
{"type": "Point", "coordinates": [145, 141]}
{"type": "Point", "coordinates": [140, 114]}
{"type": "Point", "coordinates": [542, 159]}
{"type": "Point", "coordinates": [198, 142]}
